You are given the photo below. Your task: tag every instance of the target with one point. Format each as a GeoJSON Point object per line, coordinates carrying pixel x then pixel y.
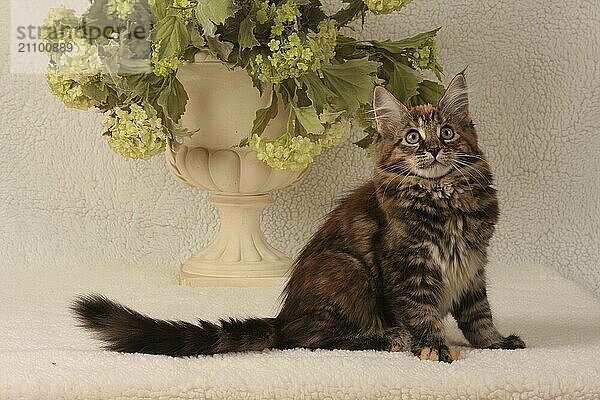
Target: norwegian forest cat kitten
{"type": "Point", "coordinates": [394, 258]}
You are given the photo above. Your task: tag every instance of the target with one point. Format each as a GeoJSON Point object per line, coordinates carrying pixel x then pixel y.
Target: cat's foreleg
{"type": "Point", "coordinates": [474, 317]}
{"type": "Point", "coordinates": [415, 303]}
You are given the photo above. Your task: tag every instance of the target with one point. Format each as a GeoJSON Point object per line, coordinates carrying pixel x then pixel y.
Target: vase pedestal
{"type": "Point", "coordinates": [239, 255]}
{"type": "Point", "coordinates": [220, 111]}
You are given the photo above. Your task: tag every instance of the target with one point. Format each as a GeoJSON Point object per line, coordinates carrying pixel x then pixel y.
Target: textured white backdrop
{"type": "Point", "coordinates": [69, 203]}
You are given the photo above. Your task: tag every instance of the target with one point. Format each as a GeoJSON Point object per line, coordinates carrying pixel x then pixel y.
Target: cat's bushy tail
{"type": "Point", "coordinates": [126, 330]}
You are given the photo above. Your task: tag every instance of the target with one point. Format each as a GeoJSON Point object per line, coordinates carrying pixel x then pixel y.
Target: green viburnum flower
{"type": "Point", "coordinates": [282, 16]}
{"type": "Point", "coordinates": [326, 38]}
{"type": "Point", "coordinates": [69, 91]}
{"type": "Point", "coordinates": [265, 10]}
{"type": "Point", "coordinates": [293, 56]}
{"type": "Point", "coordinates": [425, 57]}
{"type": "Point", "coordinates": [274, 45]}
{"type": "Point", "coordinates": [385, 6]}
{"type": "Point", "coordinates": [285, 152]}
{"type": "Point", "coordinates": [133, 133]}
{"type": "Point", "coordinates": [287, 13]}
{"type": "Point", "coordinates": [122, 9]}
{"type": "Point", "coordinates": [165, 66]}
{"type": "Point", "coordinates": [292, 53]}
{"type": "Point", "coordinates": [336, 133]}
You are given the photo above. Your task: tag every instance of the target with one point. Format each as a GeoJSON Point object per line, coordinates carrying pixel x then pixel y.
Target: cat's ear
{"type": "Point", "coordinates": [455, 101]}
{"type": "Point", "coordinates": [389, 112]}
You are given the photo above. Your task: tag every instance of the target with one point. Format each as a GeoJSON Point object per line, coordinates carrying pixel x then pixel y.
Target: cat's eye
{"type": "Point", "coordinates": [412, 137]}
{"type": "Point", "coordinates": [446, 133]}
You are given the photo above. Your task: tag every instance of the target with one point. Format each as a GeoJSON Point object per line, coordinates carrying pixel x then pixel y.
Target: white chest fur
{"type": "Point", "coordinates": [457, 261]}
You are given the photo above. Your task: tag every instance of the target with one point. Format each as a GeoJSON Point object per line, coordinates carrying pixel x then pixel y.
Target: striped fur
{"type": "Point", "coordinates": [128, 331]}
{"type": "Point", "coordinates": [392, 260]}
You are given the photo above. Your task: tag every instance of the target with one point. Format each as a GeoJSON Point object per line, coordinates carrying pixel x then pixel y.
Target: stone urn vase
{"type": "Point", "coordinates": [221, 108]}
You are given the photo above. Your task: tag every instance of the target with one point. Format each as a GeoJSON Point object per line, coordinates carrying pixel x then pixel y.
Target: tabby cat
{"type": "Point", "coordinates": [392, 260]}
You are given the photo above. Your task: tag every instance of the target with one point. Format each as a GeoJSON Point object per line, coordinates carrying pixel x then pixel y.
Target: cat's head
{"type": "Point", "coordinates": [427, 141]}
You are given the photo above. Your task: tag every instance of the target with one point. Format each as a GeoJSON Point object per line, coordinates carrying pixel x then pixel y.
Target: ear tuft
{"type": "Point", "coordinates": [455, 101]}
{"type": "Point", "coordinates": [389, 112]}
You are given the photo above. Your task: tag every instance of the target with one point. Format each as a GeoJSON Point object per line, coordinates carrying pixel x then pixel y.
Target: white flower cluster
{"type": "Point", "coordinates": [336, 133]}
{"type": "Point", "coordinates": [385, 6]}
{"type": "Point", "coordinates": [285, 152]}
{"type": "Point", "coordinates": [122, 9]}
{"type": "Point", "coordinates": [82, 62]}
{"type": "Point", "coordinates": [133, 133]}
{"type": "Point", "coordinates": [70, 92]}
{"type": "Point", "coordinates": [56, 15]}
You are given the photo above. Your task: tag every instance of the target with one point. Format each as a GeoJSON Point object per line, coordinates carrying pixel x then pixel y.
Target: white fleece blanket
{"type": "Point", "coordinates": [67, 201]}
{"type": "Point", "coordinates": [44, 356]}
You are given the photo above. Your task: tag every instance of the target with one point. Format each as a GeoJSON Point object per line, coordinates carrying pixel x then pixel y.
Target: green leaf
{"type": "Point", "coordinates": [159, 10]}
{"type": "Point", "coordinates": [353, 82]}
{"type": "Point", "coordinates": [437, 70]}
{"type": "Point", "coordinates": [246, 37]}
{"type": "Point", "coordinates": [429, 92]}
{"type": "Point", "coordinates": [220, 49]}
{"type": "Point", "coordinates": [311, 14]}
{"type": "Point", "coordinates": [402, 80]}
{"type": "Point", "coordinates": [328, 117]}
{"type": "Point", "coordinates": [96, 91]}
{"type": "Point", "coordinates": [347, 14]}
{"type": "Point", "coordinates": [309, 119]}
{"type": "Point", "coordinates": [172, 36]}
{"type": "Point", "coordinates": [264, 115]}
{"type": "Point", "coordinates": [172, 101]}
{"type": "Point", "coordinates": [318, 93]}
{"type": "Point", "coordinates": [214, 12]}
{"type": "Point", "coordinates": [144, 85]}
{"type": "Point", "coordinates": [367, 140]}
{"type": "Point", "coordinates": [196, 39]}
{"type": "Point", "coordinates": [397, 46]}
{"type": "Point", "coordinates": [133, 67]}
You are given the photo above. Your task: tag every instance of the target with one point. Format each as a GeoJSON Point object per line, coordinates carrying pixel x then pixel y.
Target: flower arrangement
{"type": "Point", "coordinates": [122, 56]}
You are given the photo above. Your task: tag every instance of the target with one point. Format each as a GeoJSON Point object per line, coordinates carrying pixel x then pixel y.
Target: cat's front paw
{"type": "Point", "coordinates": [437, 353]}
{"type": "Point", "coordinates": [511, 342]}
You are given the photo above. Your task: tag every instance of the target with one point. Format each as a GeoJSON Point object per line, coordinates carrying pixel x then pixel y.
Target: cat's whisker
{"type": "Point", "coordinates": [397, 186]}
{"type": "Point", "coordinates": [399, 170]}
{"type": "Point", "coordinates": [487, 181]}
{"type": "Point", "coordinates": [482, 185]}
{"type": "Point", "coordinates": [470, 166]}
{"type": "Point", "coordinates": [403, 179]}
{"type": "Point", "coordinates": [460, 172]}
{"type": "Point", "coordinates": [469, 155]}
{"type": "Point", "coordinates": [390, 178]}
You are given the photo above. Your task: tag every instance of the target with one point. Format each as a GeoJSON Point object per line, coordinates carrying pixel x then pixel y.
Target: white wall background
{"type": "Point", "coordinates": [67, 202]}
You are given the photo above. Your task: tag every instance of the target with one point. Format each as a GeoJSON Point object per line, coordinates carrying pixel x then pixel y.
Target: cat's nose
{"type": "Point", "coordinates": [434, 151]}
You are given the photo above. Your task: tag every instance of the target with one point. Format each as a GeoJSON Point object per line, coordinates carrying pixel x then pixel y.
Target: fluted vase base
{"type": "Point", "coordinates": [239, 256]}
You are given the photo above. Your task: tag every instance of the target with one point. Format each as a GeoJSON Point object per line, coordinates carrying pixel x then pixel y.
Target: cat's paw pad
{"type": "Point", "coordinates": [438, 353]}
{"type": "Point", "coordinates": [511, 342]}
